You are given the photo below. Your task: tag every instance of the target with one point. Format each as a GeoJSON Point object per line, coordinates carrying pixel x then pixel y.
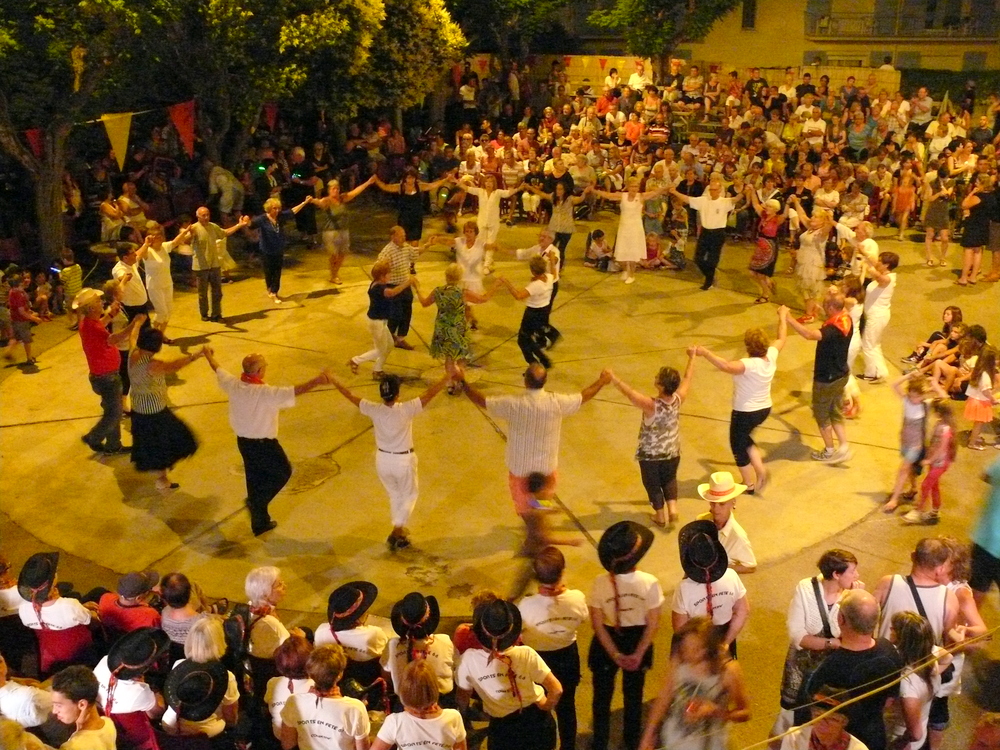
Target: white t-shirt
{"type": "Point", "coordinates": [690, 598]}
{"type": "Point", "coordinates": [28, 706]}
{"type": "Point", "coordinates": [752, 388]}
{"type": "Point", "coordinates": [735, 541]}
{"type": "Point", "coordinates": [979, 390]}
{"type": "Point", "coordinates": [363, 643]}
{"type": "Point", "coordinates": [440, 655]}
{"type": "Point", "coordinates": [878, 299]}
{"type": "Point", "coordinates": [62, 614]}
{"type": "Point", "coordinates": [406, 731]}
{"type": "Point", "coordinates": [638, 593]}
{"type": "Point", "coordinates": [492, 682]}
{"type": "Point", "coordinates": [253, 407]}
{"type": "Point", "coordinates": [10, 601]}
{"type": "Point", "coordinates": [393, 425]}
{"type": "Point", "coordinates": [550, 253]}
{"type": "Point", "coordinates": [105, 738]}
{"type": "Point", "coordinates": [129, 695]}
{"type": "Point", "coordinates": [811, 124]}
{"type": "Point", "coordinates": [550, 623]}
{"type": "Point", "coordinates": [267, 634]}
{"type": "Point", "coordinates": [213, 725]}
{"type": "Point", "coordinates": [157, 266]}
{"type": "Point", "coordinates": [539, 291]}
{"type": "Point", "coordinates": [326, 723]}
{"type": "Point", "coordinates": [277, 694]}
{"type": "Point", "coordinates": [713, 213]}
{"type": "Point", "coordinates": [133, 291]}
{"type": "Point", "coordinates": [912, 686]}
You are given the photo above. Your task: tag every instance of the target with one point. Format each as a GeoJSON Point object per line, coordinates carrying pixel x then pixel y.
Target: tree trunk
{"type": "Point", "coordinates": [48, 192]}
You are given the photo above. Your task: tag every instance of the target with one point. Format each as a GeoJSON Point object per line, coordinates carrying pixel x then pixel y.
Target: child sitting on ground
{"type": "Point", "coordinates": [945, 349]}
{"type": "Point", "coordinates": [950, 317]}
{"type": "Point", "coordinates": [599, 254]}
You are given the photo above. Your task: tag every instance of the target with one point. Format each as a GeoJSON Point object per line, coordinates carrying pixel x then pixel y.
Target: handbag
{"type": "Point", "coordinates": [800, 663]}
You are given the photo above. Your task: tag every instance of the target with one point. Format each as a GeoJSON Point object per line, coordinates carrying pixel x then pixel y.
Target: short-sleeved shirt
{"type": "Point", "coordinates": [752, 387]}
{"type": "Point", "coordinates": [691, 597]}
{"type": "Point", "coordinates": [714, 213]}
{"type": "Point", "coordinates": [129, 695]}
{"type": "Point", "coordinates": [638, 593]}
{"type": "Point", "coordinates": [401, 258]}
{"type": "Point", "coordinates": [279, 690]}
{"type": "Point", "coordinates": [204, 239]}
{"type": "Point", "coordinates": [379, 306]}
{"type": "Point", "coordinates": [439, 652]}
{"type": "Point", "coordinates": [133, 291]}
{"type": "Point", "coordinates": [987, 531]}
{"type": "Point", "coordinates": [105, 738]}
{"type": "Point", "coordinates": [266, 635]}
{"type": "Point", "coordinates": [393, 424]}
{"type": "Point", "coordinates": [363, 643]}
{"type": "Point", "coordinates": [534, 421]}
{"type": "Point", "coordinates": [254, 407]}
{"type": "Point", "coordinates": [408, 732]}
{"type": "Point", "coordinates": [831, 354]}
{"type": "Point", "coordinates": [539, 292]}
{"type": "Point", "coordinates": [126, 619]}
{"type": "Point", "coordinates": [62, 614]}
{"type": "Point", "coordinates": [326, 723]}
{"type": "Point", "coordinates": [102, 357]}
{"type": "Point", "coordinates": [550, 623]}
{"type": "Point", "coordinates": [19, 304]}
{"type": "Point", "coordinates": [735, 541]}
{"type": "Point", "coordinates": [272, 234]}
{"type": "Point", "coordinates": [492, 678]}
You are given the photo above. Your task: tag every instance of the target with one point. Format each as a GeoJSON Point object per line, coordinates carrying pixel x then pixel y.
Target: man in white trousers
{"type": "Point", "coordinates": [395, 459]}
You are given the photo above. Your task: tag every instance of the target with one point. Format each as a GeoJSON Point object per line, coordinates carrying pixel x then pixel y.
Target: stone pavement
{"type": "Point", "coordinates": [333, 517]}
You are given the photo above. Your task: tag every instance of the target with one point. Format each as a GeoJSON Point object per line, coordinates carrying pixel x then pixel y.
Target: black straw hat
{"type": "Point", "coordinates": [415, 616]}
{"type": "Point", "coordinates": [497, 624]}
{"type": "Point", "coordinates": [623, 545]}
{"type": "Point", "coordinates": [37, 576]}
{"type": "Point", "coordinates": [135, 652]}
{"type": "Point", "coordinates": [348, 603]}
{"type": "Point", "coordinates": [196, 690]}
{"type": "Point", "coordinates": [703, 557]}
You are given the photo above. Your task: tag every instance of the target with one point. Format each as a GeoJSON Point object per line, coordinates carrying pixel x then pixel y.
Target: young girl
{"type": "Point", "coordinates": [903, 200]}
{"type": "Point", "coordinates": [979, 405]}
{"type": "Point", "coordinates": [954, 378]}
{"type": "Point", "coordinates": [451, 337]}
{"type": "Point", "coordinates": [599, 254]}
{"type": "Point", "coordinates": [422, 721]}
{"type": "Point", "coordinates": [906, 723]}
{"type": "Point", "coordinates": [43, 293]}
{"type": "Point", "coordinates": [945, 349]}
{"type": "Point", "coordinates": [949, 318]}
{"type": "Point", "coordinates": [854, 297]}
{"type": "Point", "coordinates": [911, 439]}
{"type": "Point", "coordinates": [940, 456]}
{"type": "Point", "coordinates": [380, 295]}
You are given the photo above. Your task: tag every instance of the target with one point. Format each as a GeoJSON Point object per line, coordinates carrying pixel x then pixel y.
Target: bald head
{"type": "Point", "coordinates": [534, 376]}
{"type": "Point", "coordinates": [254, 364]}
{"type": "Point", "coordinates": [859, 612]}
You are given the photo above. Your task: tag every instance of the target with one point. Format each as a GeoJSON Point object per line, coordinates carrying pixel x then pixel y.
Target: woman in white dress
{"type": "Point", "coordinates": [159, 283]}
{"type": "Point", "coordinates": [470, 252]}
{"type": "Point", "coordinates": [630, 244]}
{"type": "Point", "coordinates": [810, 270]}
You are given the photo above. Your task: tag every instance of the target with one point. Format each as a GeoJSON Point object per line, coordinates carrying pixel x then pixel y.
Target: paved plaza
{"type": "Point", "coordinates": [333, 517]}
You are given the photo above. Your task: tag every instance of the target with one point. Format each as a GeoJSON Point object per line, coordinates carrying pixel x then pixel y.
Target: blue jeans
{"type": "Point", "coordinates": [108, 431]}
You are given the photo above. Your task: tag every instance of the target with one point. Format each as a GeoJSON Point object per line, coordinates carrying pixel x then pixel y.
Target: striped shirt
{"type": "Point", "coordinates": [534, 421]}
{"type": "Point", "coordinates": [72, 280]}
{"type": "Point", "coordinates": [401, 258]}
{"type": "Point", "coordinates": [149, 391]}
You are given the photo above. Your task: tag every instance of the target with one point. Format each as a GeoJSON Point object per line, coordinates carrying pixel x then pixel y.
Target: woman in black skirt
{"type": "Point", "coordinates": [159, 439]}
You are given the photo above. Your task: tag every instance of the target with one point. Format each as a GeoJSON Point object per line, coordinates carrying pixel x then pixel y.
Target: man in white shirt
{"type": "Point", "coordinates": [74, 702]}
{"type": "Point", "coordinates": [553, 258]}
{"type": "Point", "coordinates": [395, 461]}
{"type": "Point", "coordinates": [253, 415]}
{"type": "Point", "coordinates": [814, 128]}
{"type": "Point", "coordinates": [534, 421]}
{"type": "Point", "coordinates": [713, 209]}
{"type": "Point", "coordinates": [126, 272]}
{"type": "Point", "coordinates": [721, 493]}
{"type": "Point", "coordinates": [638, 81]}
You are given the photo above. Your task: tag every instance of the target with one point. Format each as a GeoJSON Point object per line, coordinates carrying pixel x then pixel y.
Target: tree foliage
{"type": "Point", "coordinates": [505, 26]}
{"type": "Point", "coordinates": [652, 28]}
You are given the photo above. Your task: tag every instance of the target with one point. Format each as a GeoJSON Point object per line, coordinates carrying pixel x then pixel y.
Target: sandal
{"type": "Point", "coordinates": [761, 300]}
{"type": "Point", "coordinates": [977, 446]}
{"type": "Point", "coordinates": [890, 507]}
{"type": "Point", "coordinates": [962, 283]}
{"type": "Point", "coordinates": [659, 524]}
{"type": "Point", "coordinates": [931, 263]}
{"type": "Point", "coordinates": [353, 365]}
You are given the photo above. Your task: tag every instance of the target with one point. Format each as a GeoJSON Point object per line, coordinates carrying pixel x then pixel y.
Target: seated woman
{"type": "Point", "coordinates": [422, 721]}
{"type": "Point", "coordinates": [202, 695]}
{"type": "Point", "coordinates": [951, 316]}
{"type": "Point", "coordinates": [954, 378]}
{"type": "Point", "coordinates": [180, 612]}
{"type": "Point", "coordinates": [290, 659]}
{"type": "Point", "coordinates": [346, 612]}
{"type": "Point", "coordinates": [415, 618]}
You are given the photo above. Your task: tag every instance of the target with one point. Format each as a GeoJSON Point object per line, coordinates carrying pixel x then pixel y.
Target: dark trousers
{"type": "Point", "coordinates": [707, 253]}
{"type": "Point", "coordinates": [561, 240]}
{"type": "Point", "coordinates": [528, 729]}
{"type": "Point", "coordinates": [108, 431]}
{"type": "Point", "coordinates": [659, 478]}
{"type": "Point", "coordinates": [565, 665]}
{"type": "Point", "coordinates": [401, 311]}
{"type": "Point", "coordinates": [272, 271]}
{"type": "Point", "coordinates": [210, 278]}
{"type": "Point", "coordinates": [741, 426]}
{"type": "Point", "coordinates": [267, 470]}
{"type": "Point", "coordinates": [123, 372]}
{"type": "Point", "coordinates": [551, 332]}
{"type": "Point", "coordinates": [604, 671]}
{"type": "Point", "coordinates": [531, 335]}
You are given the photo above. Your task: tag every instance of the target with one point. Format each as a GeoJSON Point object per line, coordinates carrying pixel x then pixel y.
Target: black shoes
{"type": "Point", "coordinates": [258, 530]}
{"type": "Point", "coordinates": [397, 542]}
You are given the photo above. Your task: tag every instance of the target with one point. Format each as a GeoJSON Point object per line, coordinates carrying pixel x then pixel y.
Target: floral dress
{"type": "Point", "coordinates": [451, 337]}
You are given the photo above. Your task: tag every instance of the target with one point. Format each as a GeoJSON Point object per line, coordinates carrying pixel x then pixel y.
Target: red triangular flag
{"type": "Point", "coordinates": [567, 60]}
{"type": "Point", "coordinates": [603, 61]}
{"type": "Point", "coordinates": [36, 141]}
{"type": "Point", "coordinates": [484, 63]}
{"type": "Point", "coordinates": [182, 116]}
{"type": "Point", "coordinates": [271, 115]}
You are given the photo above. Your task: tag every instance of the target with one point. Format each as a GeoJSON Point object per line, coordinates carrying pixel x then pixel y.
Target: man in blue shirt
{"type": "Point", "coordinates": [986, 539]}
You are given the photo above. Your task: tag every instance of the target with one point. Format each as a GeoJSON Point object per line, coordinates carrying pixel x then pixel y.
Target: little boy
{"type": "Point", "coordinates": [71, 276]}
{"type": "Point", "coordinates": [21, 317]}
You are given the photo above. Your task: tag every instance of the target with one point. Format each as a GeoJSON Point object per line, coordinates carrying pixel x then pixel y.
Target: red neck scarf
{"type": "Point", "coordinates": [248, 378]}
{"type": "Point", "coordinates": [841, 321]}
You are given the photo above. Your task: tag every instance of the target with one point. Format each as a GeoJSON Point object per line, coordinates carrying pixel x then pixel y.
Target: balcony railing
{"type": "Point", "coordinates": [870, 25]}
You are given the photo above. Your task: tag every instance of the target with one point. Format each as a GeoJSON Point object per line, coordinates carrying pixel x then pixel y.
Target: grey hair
{"type": "Point", "coordinates": [259, 583]}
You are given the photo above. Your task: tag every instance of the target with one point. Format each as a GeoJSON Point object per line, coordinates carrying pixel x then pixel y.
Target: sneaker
{"type": "Point", "coordinates": [910, 360]}
{"type": "Point", "coordinates": [824, 455]}
{"type": "Point", "coordinates": [843, 453]}
{"type": "Point", "coordinates": [121, 450]}
{"type": "Point", "coordinates": [913, 517]}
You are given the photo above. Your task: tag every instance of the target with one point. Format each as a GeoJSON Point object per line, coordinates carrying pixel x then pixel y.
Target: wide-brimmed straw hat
{"type": "Point", "coordinates": [720, 488]}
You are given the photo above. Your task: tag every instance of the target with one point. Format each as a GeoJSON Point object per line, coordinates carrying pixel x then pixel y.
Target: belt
{"type": "Point", "coordinates": [396, 453]}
